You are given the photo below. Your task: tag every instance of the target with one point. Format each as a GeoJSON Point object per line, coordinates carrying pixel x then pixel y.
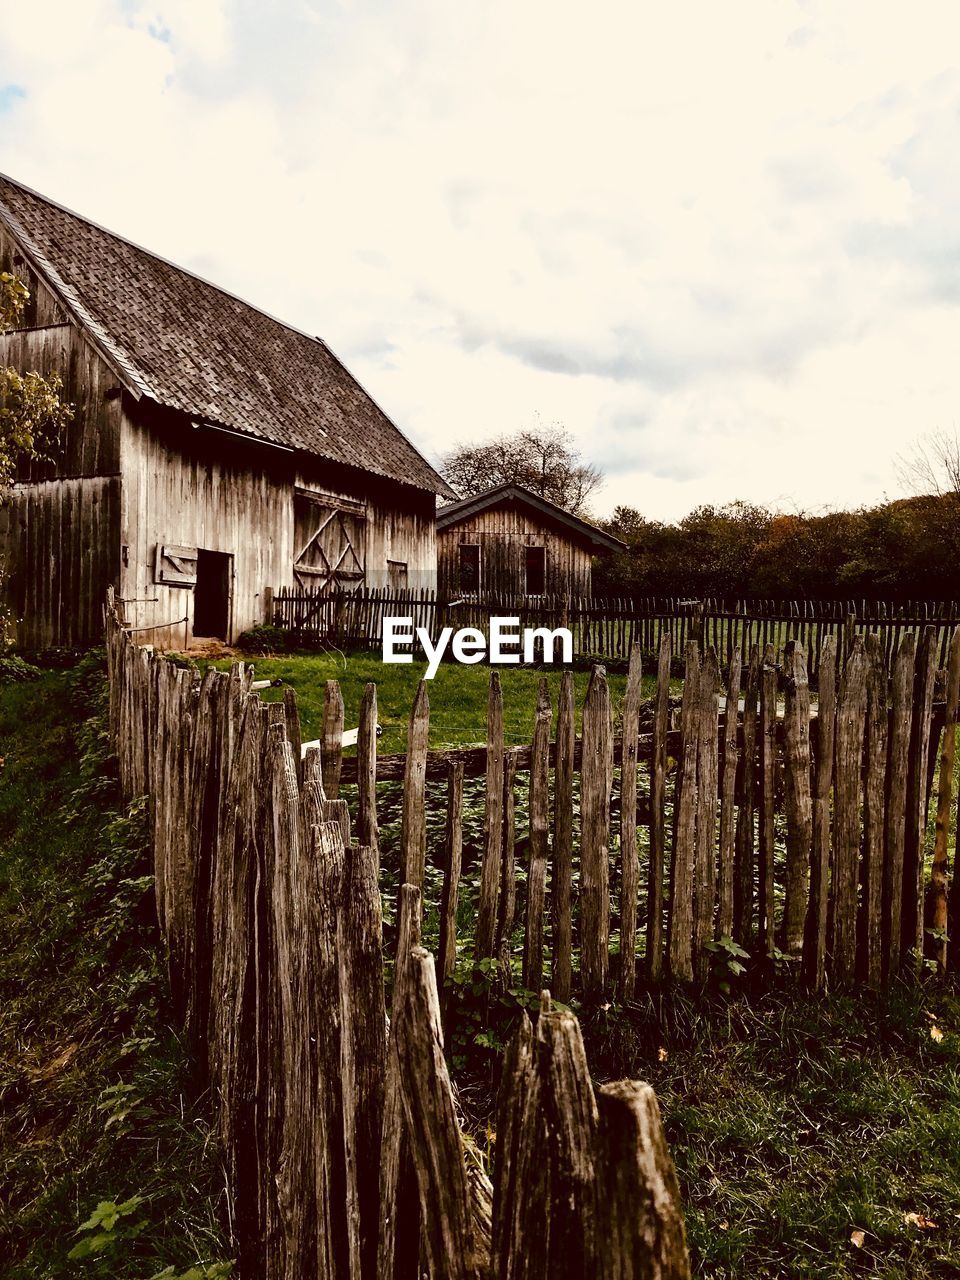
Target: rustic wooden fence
{"type": "Point", "coordinates": [609, 628]}
{"type": "Point", "coordinates": [797, 832]}
{"type": "Point", "coordinates": [343, 1148]}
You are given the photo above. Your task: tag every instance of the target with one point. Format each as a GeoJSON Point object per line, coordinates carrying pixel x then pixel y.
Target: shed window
{"type": "Point", "coordinates": [536, 571]}
{"type": "Point", "coordinates": [469, 567]}
{"type": "Point", "coordinates": [397, 573]}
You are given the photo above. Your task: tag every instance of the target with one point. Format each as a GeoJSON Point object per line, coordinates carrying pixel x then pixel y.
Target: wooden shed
{"type": "Point", "coordinates": [509, 540]}
{"type": "Point", "coordinates": [215, 452]}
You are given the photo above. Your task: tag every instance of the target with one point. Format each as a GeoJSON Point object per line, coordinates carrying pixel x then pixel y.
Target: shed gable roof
{"type": "Point", "coordinates": [193, 347]}
{"type": "Point", "coordinates": [514, 494]}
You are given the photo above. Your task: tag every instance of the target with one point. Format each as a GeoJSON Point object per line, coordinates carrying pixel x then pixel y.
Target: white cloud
{"type": "Point", "coordinates": [718, 242]}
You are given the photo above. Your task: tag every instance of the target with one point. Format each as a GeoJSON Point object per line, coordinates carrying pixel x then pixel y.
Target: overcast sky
{"type": "Point", "coordinates": [719, 242]}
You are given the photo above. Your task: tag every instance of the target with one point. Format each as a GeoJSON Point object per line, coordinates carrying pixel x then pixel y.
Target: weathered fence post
{"type": "Point", "coordinates": [486, 935]}
{"type": "Point", "coordinates": [680, 939]}
{"type": "Point", "coordinates": [563, 841]}
{"type": "Point", "coordinates": [595, 780]}
{"type": "Point", "coordinates": [450, 1243]}
{"type": "Point", "coordinates": [629, 864]}
{"type": "Point", "coordinates": [851, 720]}
{"type": "Point", "coordinates": [367, 829]}
{"type": "Point", "coordinates": [898, 757]}
{"type": "Point", "coordinates": [728, 814]}
{"type": "Point", "coordinates": [705, 878]}
{"type": "Point", "coordinates": [332, 739]}
{"type": "Point", "coordinates": [746, 832]}
{"type": "Point", "coordinates": [658, 770]}
{"type": "Point", "coordinates": [911, 940]}
{"type": "Point", "coordinates": [799, 806]}
{"type": "Point", "coordinates": [539, 841]}
{"type": "Point", "coordinates": [768, 756]}
{"type": "Point", "coordinates": [641, 1235]}
{"type": "Point", "coordinates": [939, 871]}
{"type": "Point", "coordinates": [871, 874]}
{"type": "Point", "coordinates": [815, 936]}
{"type": "Point", "coordinates": [413, 833]}
{"type": "Point", "coordinates": [453, 848]}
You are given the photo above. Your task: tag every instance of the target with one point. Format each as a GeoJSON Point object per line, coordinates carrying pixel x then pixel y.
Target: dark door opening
{"type": "Point", "coordinates": [211, 596]}
{"type": "Point", "coordinates": [469, 567]}
{"type": "Point", "coordinates": [536, 571]}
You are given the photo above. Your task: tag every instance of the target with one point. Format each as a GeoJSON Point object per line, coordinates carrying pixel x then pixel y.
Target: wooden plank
{"type": "Point", "coordinates": [563, 842]}
{"type": "Point", "coordinates": [705, 870]}
{"type": "Point", "coordinates": [767, 740]}
{"type": "Point", "coordinates": [485, 941]}
{"type": "Point", "coordinates": [939, 871]}
{"type": "Point", "coordinates": [595, 783]}
{"type": "Point", "coordinates": [507, 908]}
{"type": "Point", "coordinates": [680, 930]}
{"type": "Point", "coordinates": [640, 1229]}
{"type": "Point", "coordinates": [398, 1252]}
{"type": "Point", "coordinates": [450, 1244]}
{"type": "Point", "coordinates": [362, 1054]}
{"type": "Point", "coordinates": [815, 937]}
{"type": "Point", "coordinates": [898, 755]}
{"type": "Point", "coordinates": [453, 848]}
{"type": "Point", "coordinates": [746, 832]}
{"type": "Point", "coordinates": [658, 770]}
{"type": "Point", "coordinates": [332, 739]}
{"type": "Point", "coordinates": [413, 827]}
{"type": "Point", "coordinates": [799, 802]}
{"type": "Point", "coordinates": [368, 832]}
{"type": "Point", "coordinates": [869, 946]}
{"type": "Point", "coordinates": [911, 938]}
{"type": "Point", "coordinates": [851, 720]}
{"type": "Point", "coordinates": [539, 842]}
{"type": "Point", "coordinates": [629, 864]}
{"type": "Point", "coordinates": [728, 811]}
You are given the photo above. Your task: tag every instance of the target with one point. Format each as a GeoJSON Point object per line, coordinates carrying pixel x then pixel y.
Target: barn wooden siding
{"type": "Point", "coordinates": [503, 533]}
{"type": "Point", "coordinates": [60, 528]}
{"type": "Point", "coordinates": [200, 488]}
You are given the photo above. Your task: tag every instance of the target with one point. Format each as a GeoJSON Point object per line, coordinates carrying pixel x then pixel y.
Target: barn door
{"type": "Point", "coordinates": [329, 541]}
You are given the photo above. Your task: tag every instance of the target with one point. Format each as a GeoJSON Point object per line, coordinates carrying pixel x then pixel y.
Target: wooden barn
{"type": "Point", "coordinates": [508, 540]}
{"type": "Point", "coordinates": [215, 453]}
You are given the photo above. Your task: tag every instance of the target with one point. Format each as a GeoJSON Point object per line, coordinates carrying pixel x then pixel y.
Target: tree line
{"type": "Point", "coordinates": [905, 549]}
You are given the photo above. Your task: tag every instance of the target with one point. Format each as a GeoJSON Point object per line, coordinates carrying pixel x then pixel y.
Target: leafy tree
{"type": "Point", "coordinates": [542, 459]}
{"type": "Point", "coordinates": [32, 413]}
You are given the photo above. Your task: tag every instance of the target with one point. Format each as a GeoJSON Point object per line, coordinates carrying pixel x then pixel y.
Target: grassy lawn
{"type": "Point", "coordinates": [458, 695]}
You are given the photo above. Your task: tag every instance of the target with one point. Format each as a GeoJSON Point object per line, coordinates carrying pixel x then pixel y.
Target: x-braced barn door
{"type": "Point", "coordinates": [329, 541]}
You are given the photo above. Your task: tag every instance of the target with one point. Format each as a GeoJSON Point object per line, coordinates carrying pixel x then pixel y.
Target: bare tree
{"type": "Point", "coordinates": [933, 467]}
{"type": "Point", "coordinates": [543, 459]}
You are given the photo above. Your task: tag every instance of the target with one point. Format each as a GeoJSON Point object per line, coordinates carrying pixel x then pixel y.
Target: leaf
{"type": "Point", "coordinates": [936, 1033]}
{"type": "Point", "coordinates": [93, 1244]}
{"type": "Point", "coordinates": [918, 1220]}
{"type": "Point", "coordinates": [857, 1238]}
{"type": "Point", "coordinates": [662, 1054]}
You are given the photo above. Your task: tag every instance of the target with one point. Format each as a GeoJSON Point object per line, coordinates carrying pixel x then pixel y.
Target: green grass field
{"type": "Point", "coordinates": [458, 695]}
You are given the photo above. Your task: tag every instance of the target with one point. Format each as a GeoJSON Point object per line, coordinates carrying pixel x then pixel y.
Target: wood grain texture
{"type": "Point", "coordinates": [629, 861]}
{"type": "Point", "coordinates": [595, 783]}
{"type": "Point", "coordinates": [658, 842]}
{"type": "Point", "coordinates": [680, 934]}
{"type": "Point", "coordinates": [539, 802]}
{"type": "Point", "coordinates": [486, 935]}
{"type": "Point", "coordinates": [563, 842]}
{"type": "Point", "coordinates": [851, 721]}
{"type": "Point", "coordinates": [799, 800]}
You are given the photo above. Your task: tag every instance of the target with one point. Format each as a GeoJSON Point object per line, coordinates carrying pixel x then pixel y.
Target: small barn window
{"type": "Point", "coordinates": [397, 573]}
{"type": "Point", "coordinates": [469, 567]}
{"type": "Point", "coordinates": [536, 571]}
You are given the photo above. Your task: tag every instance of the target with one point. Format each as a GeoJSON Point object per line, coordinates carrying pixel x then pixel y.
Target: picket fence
{"type": "Point", "coordinates": [342, 1144]}
{"type": "Point", "coordinates": [609, 627]}
{"type": "Point", "coordinates": [798, 832]}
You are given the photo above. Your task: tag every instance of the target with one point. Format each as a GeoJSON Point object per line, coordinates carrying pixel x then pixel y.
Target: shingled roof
{"type": "Point", "coordinates": [188, 345]}
{"type": "Point", "coordinates": [516, 495]}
